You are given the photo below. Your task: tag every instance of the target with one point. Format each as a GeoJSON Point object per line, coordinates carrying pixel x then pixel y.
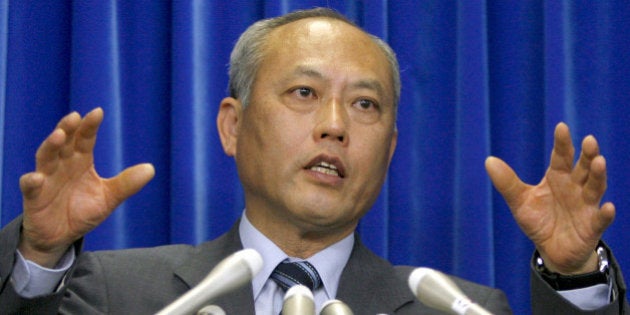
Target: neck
{"type": "Point", "coordinates": [298, 240]}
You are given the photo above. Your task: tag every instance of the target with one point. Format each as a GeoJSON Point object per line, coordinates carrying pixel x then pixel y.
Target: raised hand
{"type": "Point", "coordinates": [562, 214]}
{"type": "Point", "coordinates": [64, 198]}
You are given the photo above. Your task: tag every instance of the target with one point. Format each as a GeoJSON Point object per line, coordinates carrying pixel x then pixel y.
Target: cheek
{"type": "Point", "coordinates": [275, 137]}
{"type": "Point", "coordinates": [373, 155]}
{"type": "Point", "coordinates": [290, 130]}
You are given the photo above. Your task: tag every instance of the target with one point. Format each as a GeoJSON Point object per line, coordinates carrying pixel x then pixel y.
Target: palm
{"type": "Point", "coordinates": [77, 204]}
{"type": "Point", "coordinates": [553, 221]}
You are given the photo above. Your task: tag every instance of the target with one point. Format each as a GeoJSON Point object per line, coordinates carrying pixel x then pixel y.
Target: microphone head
{"type": "Point", "coordinates": [416, 276]}
{"type": "Point", "coordinates": [438, 291]}
{"type": "Point", "coordinates": [251, 258]}
{"type": "Point", "coordinates": [335, 307]}
{"type": "Point", "coordinates": [211, 310]}
{"type": "Point", "coordinates": [298, 290]}
{"type": "Point", "coordinates": [298, 301]}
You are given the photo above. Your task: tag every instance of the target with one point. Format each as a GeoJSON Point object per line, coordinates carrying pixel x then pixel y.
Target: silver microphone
{"type": "Point", "coordinates": [298, 301]}
{"type": "Point", "coordinates": [211, 310]}
{"type": "Point", "coordinates": [231, 273]}
{"type": "Point", "coordinates": [438, 291]}
{"type": "Point", "coordinates": [335, 307]}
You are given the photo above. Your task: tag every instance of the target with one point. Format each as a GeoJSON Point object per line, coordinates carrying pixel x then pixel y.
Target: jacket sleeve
{"type": "Point", "coordinates": [545, 300]}
{"type": "Point", "coordinates": [10, 301]}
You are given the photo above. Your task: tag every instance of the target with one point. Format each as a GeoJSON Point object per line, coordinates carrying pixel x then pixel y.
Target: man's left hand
{"type": "Point", "coordinates": [562, 214]}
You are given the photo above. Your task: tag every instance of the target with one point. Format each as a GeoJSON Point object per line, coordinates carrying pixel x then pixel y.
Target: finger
{"type": "Point", "coordinates": [563, 151]}
{"type": "Point", "coordinates": [31, 184]}
{"type": "Point", "coordinates": [47, 155]}
{"type": "Point", "coordinates": [128, 182]}
{"type": "Point", "coordinates": [590, 149]}
{"type": "Point", "coordinates": [606, 216]}
{"type": "Point", "coordinates": [505, 181]}
{"type": "Point", "coordinates": [69, 125]}
{"type": "Point", "coordinates": [54, 145]}
{"type": "Point", "coordinates": [595, 185]}
{"type": "Point", "coordinates": [86, 134]}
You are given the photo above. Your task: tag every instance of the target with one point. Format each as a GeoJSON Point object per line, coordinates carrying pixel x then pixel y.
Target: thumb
{"type": "Point", "coordinates": [129, 182]}
{"type": "Point", "coordinates": [505, 180]}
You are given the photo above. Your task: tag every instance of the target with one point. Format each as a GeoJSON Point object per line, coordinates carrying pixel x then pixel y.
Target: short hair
{"type": "Point", "coordinates": [249, 51]}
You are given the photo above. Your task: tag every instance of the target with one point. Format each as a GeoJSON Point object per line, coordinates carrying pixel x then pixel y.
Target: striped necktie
{"type": "Point", "coordinates": [288, 274]}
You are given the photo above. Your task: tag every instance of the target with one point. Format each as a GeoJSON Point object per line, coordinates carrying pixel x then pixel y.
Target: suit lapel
{"type": "Point", "coordinates": [209, 254]}
{"type": "Point", "coordinates": [370, 285]}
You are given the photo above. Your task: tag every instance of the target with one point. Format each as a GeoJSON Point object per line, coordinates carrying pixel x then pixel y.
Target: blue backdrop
{"type": "Point", "coordinates": [479, 78]}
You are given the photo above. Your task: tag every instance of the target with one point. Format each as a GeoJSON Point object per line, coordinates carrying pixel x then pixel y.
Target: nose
{"type": "Point", "coordinates": [332, 122]}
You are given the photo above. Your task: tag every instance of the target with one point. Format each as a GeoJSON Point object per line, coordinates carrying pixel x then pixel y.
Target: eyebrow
{"type": "Point", "coordinates": [307, 71]}
{"type": "Point", "coordinates": [373, 85]}
{"type": "Point", "coordinates": [368, 84]}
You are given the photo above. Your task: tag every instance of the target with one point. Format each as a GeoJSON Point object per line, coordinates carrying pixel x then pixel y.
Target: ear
{"type": "Point", "coordinates": [228, 120]}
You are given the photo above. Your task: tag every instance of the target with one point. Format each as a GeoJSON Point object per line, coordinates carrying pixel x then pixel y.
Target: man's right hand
{"type": "Point", "coordinates": [64, 198]}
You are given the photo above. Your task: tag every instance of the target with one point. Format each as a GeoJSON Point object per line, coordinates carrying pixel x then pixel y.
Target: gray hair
{"type": "Point", "coordinates": [248, 52]}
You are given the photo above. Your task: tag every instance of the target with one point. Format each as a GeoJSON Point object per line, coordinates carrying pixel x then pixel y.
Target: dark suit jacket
{"type": "Point", "coordinates": [142, 281]}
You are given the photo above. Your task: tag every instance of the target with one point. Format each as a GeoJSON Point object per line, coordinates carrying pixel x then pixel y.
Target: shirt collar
{"type": "Point", "coordinates": [329, 262]}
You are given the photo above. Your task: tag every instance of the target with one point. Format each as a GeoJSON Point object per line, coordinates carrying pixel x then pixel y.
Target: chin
{"type": "Point", "coordinates": [328, 219]}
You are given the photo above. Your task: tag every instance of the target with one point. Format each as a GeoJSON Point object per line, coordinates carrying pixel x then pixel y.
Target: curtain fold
{"type": "Point", "coordinates": [479, 78]}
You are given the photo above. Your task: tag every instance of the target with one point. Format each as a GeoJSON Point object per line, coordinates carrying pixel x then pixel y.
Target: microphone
{"type": "Point", "coordinates": [298, 301]}
{"type": "Point", "coordinates": [211, 310]}
{"type": "Point", "coordinates": [231, 273]}
{"type": "Point", "coordinates": [438, 291]}
{"type": "Point", "coordinates": [335, 307]}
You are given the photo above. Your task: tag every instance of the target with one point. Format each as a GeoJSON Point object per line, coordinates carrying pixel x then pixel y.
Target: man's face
{"type": "Point", "coordinates": [315, 142]}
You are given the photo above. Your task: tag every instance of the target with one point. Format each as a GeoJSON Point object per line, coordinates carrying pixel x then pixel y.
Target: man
{"type": "Point", "coordinates": [311, 124]}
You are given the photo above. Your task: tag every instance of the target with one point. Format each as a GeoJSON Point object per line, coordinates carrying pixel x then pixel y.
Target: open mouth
{"type": "Point", "coordinates": [328, 166]}
{"type": "Point", "coordinates": [325, 168]}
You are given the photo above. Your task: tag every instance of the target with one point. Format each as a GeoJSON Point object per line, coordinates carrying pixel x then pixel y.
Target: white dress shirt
{"type": "Point", "coordinates": [268, 296]}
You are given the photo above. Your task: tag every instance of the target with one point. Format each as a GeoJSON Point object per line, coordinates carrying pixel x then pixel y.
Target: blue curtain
{"type": "Point", "coordinates": [479, 78]}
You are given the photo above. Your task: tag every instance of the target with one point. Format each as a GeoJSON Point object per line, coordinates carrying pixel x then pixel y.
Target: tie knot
{"type": "Point", "coordinates": [288, 274]}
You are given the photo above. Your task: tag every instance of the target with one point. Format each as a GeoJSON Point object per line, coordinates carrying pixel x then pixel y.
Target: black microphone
{"type": "Point", "coordinates": [231, 273]}
{"type": "Point", "coordinates": [298, 301]}
{"type": "Point", "coordinates": [438, 291]}
{"type": "Point", "coordinates": [335, 307]}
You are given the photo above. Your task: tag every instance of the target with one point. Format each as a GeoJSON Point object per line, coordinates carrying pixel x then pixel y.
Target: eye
{"type": "Point", "coordinates": [304, 92]}
{"type": "Point", "coordinates": [366, 104]}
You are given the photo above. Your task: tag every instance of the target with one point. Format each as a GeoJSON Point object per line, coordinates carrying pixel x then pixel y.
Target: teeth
{"type": "Point", "coordinates": [327, 165]}
{"type": "Point", "coordinates": [325, 170]}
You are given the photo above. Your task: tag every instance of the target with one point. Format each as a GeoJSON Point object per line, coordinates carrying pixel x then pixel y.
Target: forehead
{"type": "Point", "coordinates": [317, 33]}
{"type": "Point", "coordinates": [326, 43]}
